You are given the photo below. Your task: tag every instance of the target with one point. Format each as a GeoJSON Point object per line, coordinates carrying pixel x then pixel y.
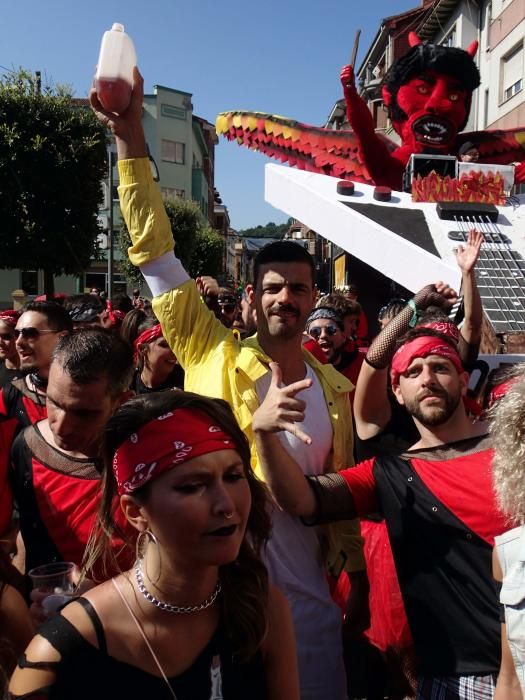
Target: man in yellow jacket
{"type": "Point", "coordinates": [217, 364]}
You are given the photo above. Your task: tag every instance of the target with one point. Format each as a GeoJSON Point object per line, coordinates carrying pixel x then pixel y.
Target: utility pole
{"type": "Point", "coordinates": [110, 223]}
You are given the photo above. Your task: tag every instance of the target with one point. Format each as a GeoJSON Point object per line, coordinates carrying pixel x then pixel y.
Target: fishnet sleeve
{"type": "Point", "coordinates": [333, 497]}
{"type": "Point", "coordinates": [383, 346]}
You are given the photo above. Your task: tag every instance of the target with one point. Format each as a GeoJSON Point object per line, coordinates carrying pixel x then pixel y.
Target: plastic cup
{"type": "Point", "coordinates": [57, 579]}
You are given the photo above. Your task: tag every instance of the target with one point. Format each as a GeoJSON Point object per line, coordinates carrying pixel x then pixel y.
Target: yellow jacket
{"type": "Point", "coordinates": [215, 362]}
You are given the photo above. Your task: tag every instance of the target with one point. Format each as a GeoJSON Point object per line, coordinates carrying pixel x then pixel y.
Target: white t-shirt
{"type": "Point", "coordinates": [293, 558]}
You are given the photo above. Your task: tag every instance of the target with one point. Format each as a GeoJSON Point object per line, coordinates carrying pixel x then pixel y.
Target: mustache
{"type": "Point", "coordinates": [284, 308]}
{"type": "Point", "coordinates": [440, 393]}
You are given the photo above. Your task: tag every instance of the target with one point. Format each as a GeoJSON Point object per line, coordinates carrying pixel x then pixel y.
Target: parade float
{"type": "Point", "coordinates": [401, 209]}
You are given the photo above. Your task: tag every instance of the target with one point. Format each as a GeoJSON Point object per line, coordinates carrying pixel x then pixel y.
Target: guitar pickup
{"type": "Point", "coordinates": [477, 213]}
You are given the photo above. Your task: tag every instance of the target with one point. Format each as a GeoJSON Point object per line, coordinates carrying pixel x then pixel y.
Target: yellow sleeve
{"type": "Point", "coordinates": [143, 211]}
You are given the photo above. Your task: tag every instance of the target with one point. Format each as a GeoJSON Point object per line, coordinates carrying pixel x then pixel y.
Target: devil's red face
{"type": "Point", "coordinates": [436, 106]}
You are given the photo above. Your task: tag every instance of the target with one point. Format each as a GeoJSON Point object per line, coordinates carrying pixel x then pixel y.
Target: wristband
{"type": "Point", "coordinates": [415, 313]}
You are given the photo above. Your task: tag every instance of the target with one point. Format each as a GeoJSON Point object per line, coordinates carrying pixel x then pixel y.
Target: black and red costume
{"type": "Point", "coordinates": [57, 497]}
{"type": "Point", "coordinates": [442, 518]}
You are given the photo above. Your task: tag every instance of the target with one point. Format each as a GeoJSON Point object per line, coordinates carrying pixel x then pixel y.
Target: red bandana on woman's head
{"type": "Point", "coordinates": [158, 446]}
{"type": "Point", "coordinates": [422, 347]}
{"type": "Point", "coordinates": [146, 337]}
{"type": "Point", "coordinates": [10, 317]}
{"type": "Point", "coordinates": [445, 327]}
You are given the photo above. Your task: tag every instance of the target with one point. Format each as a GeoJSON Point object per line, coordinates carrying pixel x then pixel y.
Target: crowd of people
{"type": "Point", "coordinates": [191, 461]}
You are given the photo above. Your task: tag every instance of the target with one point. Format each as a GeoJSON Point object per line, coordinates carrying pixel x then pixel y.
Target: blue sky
{"type": "Point", "coordinates": [281, 57]}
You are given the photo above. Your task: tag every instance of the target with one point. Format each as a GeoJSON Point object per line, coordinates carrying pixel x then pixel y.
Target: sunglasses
{"type": "Point", "coordinates": [228, 308]}
{"type": "Point", "coordinates": [30, 333]}
{"type": "Point", "coordinates": [329, 330]}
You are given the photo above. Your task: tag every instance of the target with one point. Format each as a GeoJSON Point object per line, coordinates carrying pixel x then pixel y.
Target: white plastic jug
{"type": "Point", "coordinates": [114, 76]}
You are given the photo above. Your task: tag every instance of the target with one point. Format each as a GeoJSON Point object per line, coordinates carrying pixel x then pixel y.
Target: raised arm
{"type": "Point", "coordinates": [191, 330]}
{"type": "Point", "coordinates": [467, 257]}
{"type": "Point", "coordinates": [371, 406]}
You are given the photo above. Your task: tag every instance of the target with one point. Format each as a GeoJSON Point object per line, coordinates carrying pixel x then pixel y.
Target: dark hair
{"type": "Point", "coordinates": [432, 313]}
{"type": "Point", "coordinates": [392, 308]}
{"type": "Point", "coordinates": [84, 308]}
{"type": "Point", "coordinates": [57, 317]}
{"type": "Point", "coordinates": [121, 302]}
{"type": "Point", "coordinates": [135, 323]}
{"type": "Point", "coordinates": [88, 354]}
{"type": "Point", "coordinates": [245, 581]}
{"type": "Point", "coordinates": [417, 332]}
{"type": "Point", "coordinates": [337, 301]}
{"type": "Point", "coordinates": [282, 252]}
{"type": "Point", "coordinates": [450, 61]}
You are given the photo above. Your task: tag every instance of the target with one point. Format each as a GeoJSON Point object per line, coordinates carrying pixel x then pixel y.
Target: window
{"type": "Point", "coordinates": [173, 193]}
{"type": "Point", "coordinates": [29, 282]}
{"type": "Point", "coordinates": [512, 70]}
{"type": "Point", "coordinates": [173, 151]}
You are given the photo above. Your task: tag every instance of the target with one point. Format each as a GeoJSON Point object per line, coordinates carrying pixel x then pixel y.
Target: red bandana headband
{"type": "Point", "coordinates": [146, 337]}
{"type": "Point", "coordinates": [10, 317]}
{"type": "Point", "coordinates": [421, 347]}
{"type": "Point", "coordinates": [158, 446]}
{"type": "Point", "coordinates": [445, 327]}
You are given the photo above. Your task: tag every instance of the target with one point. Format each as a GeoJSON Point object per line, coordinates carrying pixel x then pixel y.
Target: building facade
{"type": "Point", "coordinates": [182, 146]}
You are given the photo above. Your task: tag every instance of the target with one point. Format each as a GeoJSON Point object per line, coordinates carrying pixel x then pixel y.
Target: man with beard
{"type": "Point", "coordinates": [218, 364]}
{"type": "Point", "coordinates": [438, 504]}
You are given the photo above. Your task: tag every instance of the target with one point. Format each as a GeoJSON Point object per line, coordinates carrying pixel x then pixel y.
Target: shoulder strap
{"type": "Point", "coordinates": [97, 624]}
{"type": "Point", "coordinates": [143, 635]}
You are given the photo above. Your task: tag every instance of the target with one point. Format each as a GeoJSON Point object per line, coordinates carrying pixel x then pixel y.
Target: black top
{"type": "Point", "coordinates": [6, 375]}
{"type": "Point", "coordinates": [174, 381]}
{"type": "Point", "coordinates": [85, 672]}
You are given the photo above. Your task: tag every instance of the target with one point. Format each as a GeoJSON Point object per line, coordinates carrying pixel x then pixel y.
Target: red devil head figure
{"type": "Point", "coordinates": [428, 93]}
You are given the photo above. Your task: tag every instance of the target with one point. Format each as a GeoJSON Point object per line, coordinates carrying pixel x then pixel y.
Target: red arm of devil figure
{"type": "Point", "coordinates": [383, 165]}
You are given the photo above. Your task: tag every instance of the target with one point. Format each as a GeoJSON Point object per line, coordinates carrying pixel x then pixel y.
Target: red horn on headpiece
{"type": "Point", "coordinates": [472, 49]}
{"type": "Point", "coordinates": [413, 39]}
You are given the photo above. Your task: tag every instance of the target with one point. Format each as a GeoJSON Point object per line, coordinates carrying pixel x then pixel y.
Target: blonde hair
{"type": "Point", "coordinates": [508, 431]}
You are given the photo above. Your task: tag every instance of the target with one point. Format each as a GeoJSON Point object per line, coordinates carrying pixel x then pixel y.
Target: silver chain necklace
{"type": "Point", "coordinates": [169, 607]}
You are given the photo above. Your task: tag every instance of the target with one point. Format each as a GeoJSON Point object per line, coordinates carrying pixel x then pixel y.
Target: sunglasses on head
{"type": "Point", "coordinates": [30, 333]}
{"type": "Point", "coordinates": [329, 330]}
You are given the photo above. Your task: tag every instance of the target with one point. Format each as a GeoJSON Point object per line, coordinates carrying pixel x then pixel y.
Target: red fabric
{"type": "Point", "coordinates": [68, 506]}
{"type": "Point", "coordinates": [446, 327]}
{"type": "Point", "coordinates": [389, 627]}
{"type": "Point", "coordinates": [421, 347]}
{"type": "Point", "coordinates": [499, 391]}
{"type": "Point", "coordinates": [361, 482]}
{"type": "Point", "coordinates": [146, 337]}
{"type": "Point", "coordinates": [313, 347]}
{"type": "Point", "coordinates": [10, 317]}
{"type": "Point", "coordinates": [35, 412]}
{"type": "Point", "coordinates": [362, 329]}
{"type": "Point", "coordinates": [171, 439]}
{"type": "Point", "coordinates": [7, 429]}
{"type": "Point", "coordinates": [462, 484]}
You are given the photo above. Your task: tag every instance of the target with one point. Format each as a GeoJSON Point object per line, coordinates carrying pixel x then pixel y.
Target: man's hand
{"type": "Point", "coordinates": [207, 286]}
{"type": "Point", "coordinates": [467, 256]}
{"type": "Point", "coordinates": [127, 126]}
{"type": "Point", "coordinates": [439, 294]}
{"type": "Point", "coordinates": [280, 410]}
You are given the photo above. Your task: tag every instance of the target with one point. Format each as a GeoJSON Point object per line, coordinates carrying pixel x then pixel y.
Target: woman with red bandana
{"type": "Point", "coordinates": [9, 360]}
{"type": "Point", "coordinates": [157, 366]}
{"type": "Point", "coordinates": [195, 618]}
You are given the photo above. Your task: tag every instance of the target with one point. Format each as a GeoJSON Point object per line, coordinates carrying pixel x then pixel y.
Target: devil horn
{"type": "Point", "coordinates": [472, 49]}
{"type": "Point", "coordinates": [413, 39]}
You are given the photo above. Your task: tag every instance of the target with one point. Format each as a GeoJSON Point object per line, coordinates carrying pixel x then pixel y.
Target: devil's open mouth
{"type": "Point", "coordinates": [432, 130]}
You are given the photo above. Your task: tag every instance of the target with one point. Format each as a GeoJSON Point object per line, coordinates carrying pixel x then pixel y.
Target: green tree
{"type": "Point", "coordinates": [198, 246]}
{"type": "Point", "coordinates": [269, 230]}
{"type": "Point", "coordinates": [52, 161]}
{"type": "Point", "coordinates": [208, 253]}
